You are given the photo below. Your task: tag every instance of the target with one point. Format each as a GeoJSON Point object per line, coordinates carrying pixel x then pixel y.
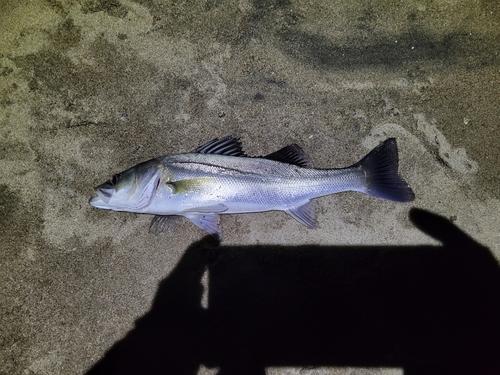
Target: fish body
{"type": "Point", "coordinates": [218, 178]}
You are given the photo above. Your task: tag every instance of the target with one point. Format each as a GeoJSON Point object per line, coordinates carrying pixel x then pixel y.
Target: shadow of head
{"type": "Point", "coordinates": [426, 309]}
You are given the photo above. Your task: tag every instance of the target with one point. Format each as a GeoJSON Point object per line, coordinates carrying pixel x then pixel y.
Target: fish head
{"type": "Point", "coordinates": [131, 190]}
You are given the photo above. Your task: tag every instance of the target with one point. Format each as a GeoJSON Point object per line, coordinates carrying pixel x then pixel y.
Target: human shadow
{"type": "Point", "coordinates": [425, 309]}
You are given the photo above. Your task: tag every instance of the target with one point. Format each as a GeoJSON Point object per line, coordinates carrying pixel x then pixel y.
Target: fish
{"type": "Point", "coordinates": [220, 178]}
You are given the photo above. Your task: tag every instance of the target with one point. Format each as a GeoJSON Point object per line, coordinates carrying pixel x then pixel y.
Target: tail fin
{"type": "Point", "coordinates": [381, 171]}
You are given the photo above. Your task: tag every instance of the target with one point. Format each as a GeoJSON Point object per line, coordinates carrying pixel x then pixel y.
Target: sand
{"type": "Point", "coordinates": [90, 88]}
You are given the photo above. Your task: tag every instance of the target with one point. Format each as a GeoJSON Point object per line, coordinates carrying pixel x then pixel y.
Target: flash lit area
{"type": "Point", "coordinates": [316, 371]}
{"type": "Point", "coordinates": [205, 284]}
{"type": "Point", "coordinates": [332, 371]}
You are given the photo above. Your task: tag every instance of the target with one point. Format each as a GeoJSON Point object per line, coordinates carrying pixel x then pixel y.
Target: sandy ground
{"type": "Point", "coordinates": [92, 87]}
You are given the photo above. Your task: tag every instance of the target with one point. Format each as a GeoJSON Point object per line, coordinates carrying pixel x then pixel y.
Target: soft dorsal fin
{"type": "Point", "coordinates": [228, 145]}
{"type": "Point", "coordinates": [291, 154]}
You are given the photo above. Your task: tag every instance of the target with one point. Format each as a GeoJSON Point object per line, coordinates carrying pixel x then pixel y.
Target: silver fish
{"type": "Point", "coordinates": [219, 178]}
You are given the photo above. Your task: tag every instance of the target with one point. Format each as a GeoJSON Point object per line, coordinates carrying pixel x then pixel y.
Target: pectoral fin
{"type": "Point", "coordinates": [209, 222]}
{"type": "Point", "coordinates": [304, 214]}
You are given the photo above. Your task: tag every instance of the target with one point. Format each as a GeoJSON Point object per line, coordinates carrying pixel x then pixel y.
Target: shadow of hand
{"type": "Point", "coordinates": [426, 309]}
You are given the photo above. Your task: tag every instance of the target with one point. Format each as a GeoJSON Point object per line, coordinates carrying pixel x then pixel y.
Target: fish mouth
{"type": "Point", "coordinates": [102, 199]}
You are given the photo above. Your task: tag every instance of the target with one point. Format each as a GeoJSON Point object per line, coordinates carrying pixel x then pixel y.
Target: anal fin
{"type": "Point", "coordinates": [304, 214]}
{"type": "Point", "coordinates": [209, 222]}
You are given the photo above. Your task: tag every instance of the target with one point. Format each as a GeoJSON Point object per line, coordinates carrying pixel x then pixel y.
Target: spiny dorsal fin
{"type": "Point", "coordinates": [291, 154]}
{"type": "Point", "coordinates": [228, 145]}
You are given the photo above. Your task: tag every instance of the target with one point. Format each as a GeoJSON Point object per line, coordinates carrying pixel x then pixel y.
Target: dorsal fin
{"type": "Point", "coordinates": [228, 145]}
{"type": "Point", "coordinates": [291, 154]}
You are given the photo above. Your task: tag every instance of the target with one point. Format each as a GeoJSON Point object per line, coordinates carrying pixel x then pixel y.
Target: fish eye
{"type": "Point", "coordinates": [114, 179]}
